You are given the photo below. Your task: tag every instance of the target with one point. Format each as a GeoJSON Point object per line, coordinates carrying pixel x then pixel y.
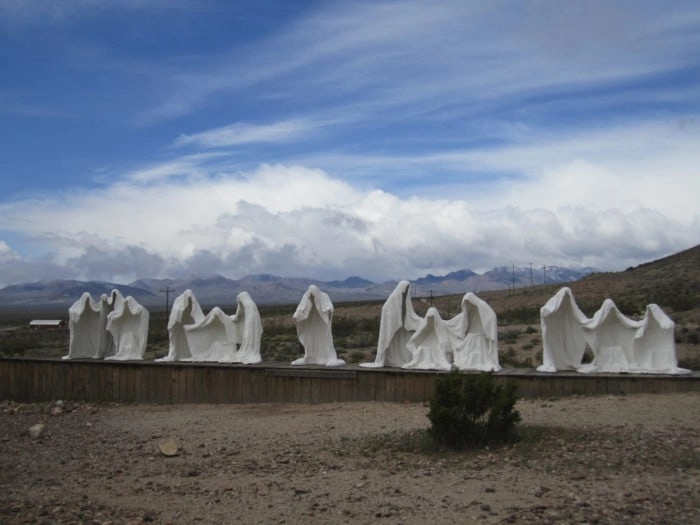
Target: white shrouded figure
{"type": "Point", "coordinates": [610, 336]}
{"type": "Point", "coordinates": [213, 338]}
{"type": "Point", "coordinates": [185, 311]}
{"type": "Point", "coordinates": [128, 324]}
{"type": "Point", "coordinates": [398, 323]}
{"type": "Point", "coordinates": [313, 318]}
{"type": "Point", "coordinates": [430, 345]}
{"type": "Point", "coordinates": [562, 321]}
{"type": "Point", "coordinates": [87, 323]}
{"type": "Point", "coordinates": [248, 330]}
{"type": "Point", "coordinates": [654, 344]}
{"type": "Point", "coordinates": [474, 336]}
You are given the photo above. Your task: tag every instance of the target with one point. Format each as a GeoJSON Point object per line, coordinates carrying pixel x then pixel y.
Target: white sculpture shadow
{"type": "Point", "coordinates": [474, 336]}
{"type": "Point", "coordinates": [562, 321]}
{"type": "Point", "coordinates": [87, 323]}
{"type": "Point", "coordinates": [430, 345]}
{"type": "Point", "coordinates": [313, 318]}
{"type": "Point", "coordinates": [654, 344]}
{"type": "Point", "coordinates": [397, 324]}
{"type": "Point", "coordinates": [128, 324]}
{"type": "Point", "coordinates": [185, 311]}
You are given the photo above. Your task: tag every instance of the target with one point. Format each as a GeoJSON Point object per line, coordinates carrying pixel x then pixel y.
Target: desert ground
{"type": "Point", "coordinates": [610, 459]}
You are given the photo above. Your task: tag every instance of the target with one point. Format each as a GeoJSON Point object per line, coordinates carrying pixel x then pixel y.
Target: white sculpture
{"type": "Point", "coordinates": [185, 311]}
{"type": "Point", "coordinates": [430, 345]}
{"type": "Point", "coordinates": [398, 323]}
{"type": "Point", "coordinates": [474, 336]}
{"type": "Point", "coordinates": [248, 330]}
{"type": "Point", "coordinates": [610, 336]}
{"type": "Point", "coordinates": [128, 324]}
{"type": "Point", "coordinates": [89, 338]}
{"type": "Point", "coordinates": [227, 338]}
{"type": "Point", "coordinates": [213, 338]}
{"type": "Point", "coordinates": [563, 341]}
{"type": "Point", "coordinates": [654, 344]}
{"type": "Point", "coordinates": [313, 318]}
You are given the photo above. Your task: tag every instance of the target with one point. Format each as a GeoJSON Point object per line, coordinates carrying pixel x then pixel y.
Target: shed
{"type": "Point", "coordinates": [47, 323]}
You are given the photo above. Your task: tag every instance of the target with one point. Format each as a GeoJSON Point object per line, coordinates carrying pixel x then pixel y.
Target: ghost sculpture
{"type": "Point", "coordinates": [87, 323]}
{"type": "Point", "coordinates": [474, 336]}
{"type": "Point", "coordinates": [185, 311]}
{"type": "Point", "coordinates": [610, 336]}
{"type": "Point", "coordinates": [128, 324]}
{"type": "Point", "coordinates": [313, 319]}
{"type": "Point", "coordinates": [562, 322]}
{"type": "Point", "coordinates": [430, 345]}
{"type": "Point", "coordinates": [654, 348]}
{"type": "Point", "coordinates": [213, 338]}
{"type": "Point", "coordinates": [396, 326]}
{"type": "Point", "coordinates": [248, 330]}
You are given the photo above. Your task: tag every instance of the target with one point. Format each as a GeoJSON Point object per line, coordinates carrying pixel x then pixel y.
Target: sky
{"type": "Point", "coordinates": [389, 140]}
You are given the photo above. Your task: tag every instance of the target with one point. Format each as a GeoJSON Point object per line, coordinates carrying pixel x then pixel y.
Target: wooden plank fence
{"type": "Point", "coordinates": [33, 379]}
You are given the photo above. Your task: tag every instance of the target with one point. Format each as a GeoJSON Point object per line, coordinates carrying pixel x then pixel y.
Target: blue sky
{"type": "Point", "coordinates": [328, 139]}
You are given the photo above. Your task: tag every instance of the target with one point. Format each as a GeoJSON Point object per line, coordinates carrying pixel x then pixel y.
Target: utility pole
{"type": "Point", "coordinates": [544, 273]}
{"type": "Point", "coordinates": [530, 275]}
{"type": "Point", "coordinates": [431, 298]}
{"type": "Point", "coordinates": [167, 301]}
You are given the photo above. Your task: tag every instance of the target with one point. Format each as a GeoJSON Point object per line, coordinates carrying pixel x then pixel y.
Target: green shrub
{"type": "Point", "coordinates": [472, 410]}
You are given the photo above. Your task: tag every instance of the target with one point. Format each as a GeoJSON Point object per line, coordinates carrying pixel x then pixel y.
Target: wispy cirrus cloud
{"type": "Point", "coordinates": [245, 133]}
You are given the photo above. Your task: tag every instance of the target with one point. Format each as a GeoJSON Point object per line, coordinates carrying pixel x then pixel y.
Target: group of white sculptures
{"type": "Point", "coordinates": [117, 328]}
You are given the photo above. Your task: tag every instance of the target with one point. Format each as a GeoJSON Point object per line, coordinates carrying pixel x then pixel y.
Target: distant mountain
{"type": "Point", "coordinates": [271, 289]}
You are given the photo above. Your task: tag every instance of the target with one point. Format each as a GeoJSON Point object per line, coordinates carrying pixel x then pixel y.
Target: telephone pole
{"type": "Point", "coordinates": [167, 301]}
{"type": "Point", "coordinates": [530, 275]}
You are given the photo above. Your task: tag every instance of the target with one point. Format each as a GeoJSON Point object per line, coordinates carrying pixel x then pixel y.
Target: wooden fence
{"type": "Point", "coordinates": [28, 379]}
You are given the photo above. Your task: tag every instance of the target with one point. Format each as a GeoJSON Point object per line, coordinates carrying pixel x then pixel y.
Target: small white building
{"type": "Point", "coordinates": [47, 323]}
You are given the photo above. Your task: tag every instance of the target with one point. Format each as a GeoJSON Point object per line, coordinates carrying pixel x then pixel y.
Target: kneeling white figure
{"type": "Point", "coordinates": [430, 345]}
{"type": "Point", "coordinates": [213, 338]}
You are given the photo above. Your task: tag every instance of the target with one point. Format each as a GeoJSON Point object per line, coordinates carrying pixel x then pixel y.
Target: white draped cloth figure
{"type": "Point", "coordinates": [87, 323]}
{"type": "Point", "coordinates": [128, 324]}
{"type": "Point", "coordinates": [248, 331]}
{"type": "Point", "coordinates": [313, 318]}
{"type": "Point", "coordinates": [562, 321]}
{"type": "Point", "coordinates": [213, 338]}
{"type": "Point", "coordinates": [474, 336]}
{"type": "Point", "coordinates": [430, 345]}
{"type": "Point", "coordinates": [185, 310]}
{"type": "Point", "coordinates": [610, 336]}
{"type": "Point", "coordinates": [397, 324]}
{"type": "Point", "coordinates": [654, 344]}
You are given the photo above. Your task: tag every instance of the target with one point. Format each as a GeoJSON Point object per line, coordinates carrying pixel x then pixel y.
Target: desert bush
{"type": "Point", "coordinates": [508, 336]}
{"type": "Point", "coordinates": [520, 315]}
{"type": "Point", "coordinates": [472, 410]}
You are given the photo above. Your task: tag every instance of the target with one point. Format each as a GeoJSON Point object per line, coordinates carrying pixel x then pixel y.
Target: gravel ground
{"type": "Point", "coordinates": [623, 459]}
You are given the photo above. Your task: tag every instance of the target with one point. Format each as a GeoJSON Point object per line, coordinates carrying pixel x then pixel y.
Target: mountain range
{"type": "Point", "coordinates": [271, 289]}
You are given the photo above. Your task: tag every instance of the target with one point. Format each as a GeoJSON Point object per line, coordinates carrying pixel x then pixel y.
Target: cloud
{"type": "Point", "coordinates": [242, 133]}
{"type": "Point", "coordinates": [417, 56]}
{"type": "Point", "coordinates": [296, 221]}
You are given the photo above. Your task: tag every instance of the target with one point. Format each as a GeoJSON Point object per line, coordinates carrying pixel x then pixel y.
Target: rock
{"type": "Point", "coordinates": [168, 447]}
{"type": "Point", "coordinates": [36, 430]}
